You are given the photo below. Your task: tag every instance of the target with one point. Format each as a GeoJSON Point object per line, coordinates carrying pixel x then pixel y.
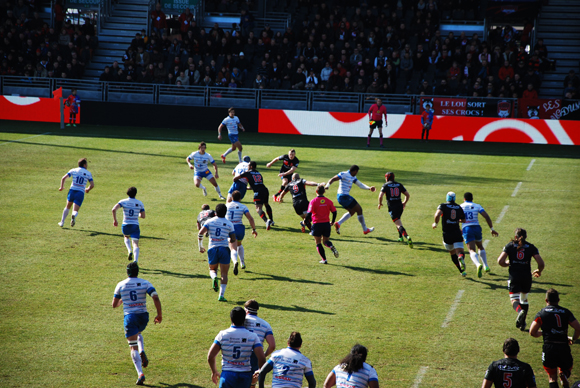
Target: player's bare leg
{"type": "Point", "coordinates": [217, 188]}
{"type": "Point", "coordinates": [197, 181]}
{"type": "Point", "coordinates": [224, 269]}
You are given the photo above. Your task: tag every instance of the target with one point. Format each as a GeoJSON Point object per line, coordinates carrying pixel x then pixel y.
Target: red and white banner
{"type": "Point", "coordinates": [484, 129]}
{"type": "Point", "coordinates": [33, 109]}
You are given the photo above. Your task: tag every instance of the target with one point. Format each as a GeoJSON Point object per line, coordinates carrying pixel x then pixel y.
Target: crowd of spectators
{"type": "Point", "coordinates": [30, 47]}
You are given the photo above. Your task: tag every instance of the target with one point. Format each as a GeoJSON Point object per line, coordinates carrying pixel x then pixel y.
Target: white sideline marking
{"type": "Point", "coordinates": [29, 137]}
{"type": "Point", "coordinates": [500, 217]}
{"type": "Point", "coordinates": [420, 376]}
{"type": "Point", "coordinates": [531, 164]}
{"type": "Point", "coordinates": [485, 244]}
{"type": "Point", "coordinates": [516, 189]}
{"type": "Point", "coordinates": [453, 308]}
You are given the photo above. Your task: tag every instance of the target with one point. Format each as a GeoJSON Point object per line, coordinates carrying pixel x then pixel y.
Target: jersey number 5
{"type": "Point", "coordinates": [507, 380]}
{"type": "Point", "coordinates": [237, 353]}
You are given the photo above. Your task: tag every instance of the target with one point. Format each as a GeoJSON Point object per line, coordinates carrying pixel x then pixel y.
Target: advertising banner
{"type": "Point", "coordinates": [549, 109]}
{"type": "Point", "coordinates": [33, 109]}
{"type": "Point", "coordinates": [470, 107]}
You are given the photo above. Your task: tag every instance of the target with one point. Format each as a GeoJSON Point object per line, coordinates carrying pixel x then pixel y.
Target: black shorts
{"type": "Point", "coordinates": [453, 237]}
{"type": "Point", "coordinates": [520, 283]}
{"type": "Point", "coordinates": [300, 206]}
{"type": "Point", "coordinates": [377, 124]}
{"type": "Point", "coordinates": [396, 212]}
{"type": "Point", "coordinates": [557, 356]}
{"type": "Point", "coordinates": [322, 229]}
{"type": "Point", "coordinates": [261, 196]}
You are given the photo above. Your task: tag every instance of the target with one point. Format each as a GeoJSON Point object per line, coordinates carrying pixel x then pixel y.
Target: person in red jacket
{"type": "Point", "coordinates": [530, 92]}
{"type": "Point", "coordinates": [185, 22]}
{"type": "Point", "coordinates": [506, 71]}
{"type": "Point", "coordinates": [158, 20]}
{"type": "Point", "coordinates": [376, 112]}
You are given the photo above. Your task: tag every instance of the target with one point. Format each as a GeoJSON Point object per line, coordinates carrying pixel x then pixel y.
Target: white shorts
{"type": "Point", "coordinates": [453, 246]}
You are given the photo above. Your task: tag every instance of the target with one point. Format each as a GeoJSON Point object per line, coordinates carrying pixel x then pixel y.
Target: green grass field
{"type": "Point", "coordinates": [58, 328]}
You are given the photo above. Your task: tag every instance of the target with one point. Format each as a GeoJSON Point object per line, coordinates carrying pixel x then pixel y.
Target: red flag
{"type": "Point", "coordinates": [57, 93]}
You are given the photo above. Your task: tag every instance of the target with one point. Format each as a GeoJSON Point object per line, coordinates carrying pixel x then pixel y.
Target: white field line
{"type": "Point", "coordinates": [516, 189]}
{"type": "Point", "coordinates": [531, 164]}
{"type": "Point", "coordinates": [503, 212]}
{"type": "Point", "coordinates": [29, 137]}
{"type": "Point", "coordinates": [485, 244]}
{"type": "Point", "coordinates": [420, 375]}
{"type": "Point", "coordinates": [453, 308]}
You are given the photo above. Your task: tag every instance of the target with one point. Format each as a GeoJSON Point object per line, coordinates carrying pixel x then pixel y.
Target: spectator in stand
{"type": "Point", "coordinates": [505, 71]}
{"type": "Point", "coordinates": [533, 78]}
{"type": "Point", "coordinates": [298, 80]}
{"type": "Point", "coordinates": [570, 91]}
{"type": "Point", "coordinates": [160, 74]}
{"type": "Point", "coordinates": [183, 78]}
{"type": "Point", "coordinates": [185, 22]}
{"type": "Point", "coordinates": [246, 23]}
{"type": "Point", "coordinates": [572, 77]}
{"type": "Point", "coordinates": [530, 92]}
{"type": "Point", "coordinates": [311, 81]}
{"type": "Point", "coordinates": [406, 67]}
{"type": "Point", "coordinates": [258, 82]}
{"type": "Point", "coordinates": [360, 87]}
{"type": "Point", "coordinates": [193, 74]}
{"type": "Point", "coordinates": [442, 89]}
{"type": "Point", "coordinates": [425, 89]}
{"type": "Point", "coordinates": [346, 86]}
{"type": "Point", "coordinates": [158, 20]}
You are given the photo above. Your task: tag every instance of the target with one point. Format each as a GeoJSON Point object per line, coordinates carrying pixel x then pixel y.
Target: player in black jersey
{"type": "Point", "coordinates": [452, 214]}
{"type": "Point", "coordinates": [553, 320]}
{"type": "Point", "coordinates": [393, 190]}
{"type": "Point", "coordinates": [289, 165]}
{"type": "Point", "coordinates": [205, 214]}
{"type": "Point", "coordinates": [261, 193]}
{"type": "Point", "coordinates": [299, 198]}
{"type": "Point", "coordinates": [509, 371]}
{"type": "Point", "coordinates": [520, 253]}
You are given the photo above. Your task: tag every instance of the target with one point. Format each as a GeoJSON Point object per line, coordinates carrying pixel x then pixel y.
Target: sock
{"type": "Point", "coordinates": [64, 214]}
{"type": "Point", "coordinates": [135, 253]}
{"type": "Point", "coordinates": [201, 186]}
{"type": "Point", "coordinates": [240, 156]}
{"type": "Point", "coordinates": [137, 361]}
{"type": "Point", "coordinates": [128, 244]}
{"type": "Point", "coordinates": [269, 211]}
{"type": "Point", "coordinates": [361, 219]}
{"type": "Point", "coordinates": [369, 140]}
{"type": "Point", "coordinates": [461, 256]}
{"type": "Point", "coordinates": [75, 214]}
{"type": "Point", "coordinates": [234, 256]}
{"type": "Point", "coordinates": [228, 151]}
{"type": "Point", "coordinates": [525, 307]}
{"type": "Point", "coordinates": [381, 139]}
{"type": "Point", "coordinates": [217, 188]}
{"type": "Point", "coordinates": [328, 244]}
{"type": "Point", "coordinates": [140, 343]}
{"type": "Point", "coordinates": [517, 306]}
{"type": "Point", "coordinates": [402, 232]}
{"type": "Point", "coordinates": [321, 252]}
{"type": "Point", "coordinates": [345, 217]}
{"type": "Point", "coordinates": [263, 215]}
{"type": "Point", "coordinates": [399, 230]}
{"type": "Point", "coordinates": [308, 224]}
{"type": "Point", "coordinates": [212, 274]}
{"type": "Point", "coordinates": [241, 254]}
{"type": "Point", "coordinates": [554, 384]}
{"type": "Point", "coordinates": [474, 257]}
{"type": "Point", "coordinates": [222, 289]}
{"type": "Point", "coordinates": [455, 261]}
{"type": "Point", "coordinates": [483, 256]}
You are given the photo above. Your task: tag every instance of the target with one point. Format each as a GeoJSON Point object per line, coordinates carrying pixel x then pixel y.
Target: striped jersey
{"type": "Point", "coordinates": [240, 169]}
{"type": "Point", "coordinates": [80, 177]}
{"type": "Point", "coordinates": [237, 344]}
{"type": "Point", "coordinates": [289, 368]}
{"type": "Point", "coordinates": [471, 210]}
{"type": "Point", "coordinates": [346, 182]}
{"type": "Point", "coordinates": [231, 124]}
{"type": "Point", "coordinates": [358, 379]}
{"type": "Point", "coordinates": [131, 209]}
{"type": "Point", "coordinates": [201, 161]}
{"type": "Point", "coordinates": [236, 212]}
{"type": "Point", "coordinates": [258, 326]}
{"type": "Point", "coordinates": [133, 293]}
{"type": "Point", "coordinates": [219, 230]}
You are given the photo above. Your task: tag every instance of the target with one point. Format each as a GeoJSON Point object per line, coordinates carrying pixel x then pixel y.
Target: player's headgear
{"type": "Point", "coordinates": [132, 269]}
{"type": "Point", "coordinates": [390, 176]}
{"type": "Point", "coordinates": [252, 306]}
{"type": "Point", "coordinates": [451, 196]}
{"type": "Point", "coordinates": [246, 159]}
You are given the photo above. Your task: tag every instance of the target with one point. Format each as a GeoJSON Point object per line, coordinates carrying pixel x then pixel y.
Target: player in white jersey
{"type": "Point", "coordinates": [260, 327]}
{"type": "Point", "coordinates": [347, 179]}
{"type": "Point", "coordinates": [235, 214]}
{"type": "Point", "coordinates": [236, 344]}
{"type": "Point", "coordinates": [133, 209]}
{"type": "Point", "coordinates": [289, 366]}
{"type": "Point", "coordinates": [220, 250]}
{"type": "Point", "coordinates": [353, 371]}
{"type": "Point", "coordinates": [472, 232]}
{"type": "Point", "coordinates": [201, 161]}
{"type": "Point", "coordinates": [132, 294]}
{"type": "Point", "coordinates": [80, 177]}
{"type": "Point", "coordinates": [232, 124]}
{"type": "Point", "coordinates": [242, 184]}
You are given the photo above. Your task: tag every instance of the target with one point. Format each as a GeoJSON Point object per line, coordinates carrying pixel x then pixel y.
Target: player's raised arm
{"type": "Point", "coordinates": [538, 272]}
{"type": "Point", "coordinates": [114, 211]}
{"type": "Point", "coordinates": [490, 223]}
{"type": "Point", "coordinates": [437, 217]}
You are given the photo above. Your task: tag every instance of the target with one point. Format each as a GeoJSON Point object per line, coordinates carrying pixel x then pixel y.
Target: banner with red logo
{"type": "Point", "coordinates": [549, 109]}
{"type": "Point", "coordinates": [484, 129]}
{"type": "Point", "coordinates": [33, 109]}
{"type": "Point", "coordinates": [469, 106]}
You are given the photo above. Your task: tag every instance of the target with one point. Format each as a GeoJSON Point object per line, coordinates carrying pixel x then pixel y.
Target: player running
{"type": "Point", "coordinates": [517, 255]}
{"type": "Point", "coordinates": [261, 193]}
{"type": "Point", "coordinates": [201, 159]}
{"type": "Point", "coordinates": [552, 323]}
{"type": "Point", "coordinates": [452, 214]}
{"type": "Point", "coordinates": [236, 211]}
{"type": "Point", "coordinates": [289, 366]}
{"type": "Point", "coordinates": [242, 184]}
{"type": "Point", "coordinates": [133, 209]}
{"type": "Point", "coordinates": [232, 123]}
{"type": "Point", "coordinates": [353, 371]}
{"type": "Point", "coordinates": [347, 178]}
{"type": "Point", "coordinates": [509, 371]}
{"type": "Point", "coordinates": [219, 230]}
{"type": "Point", "coordinates": [472, 232]}
{"type": "Point", "coordinates": [393, 190]}
{"type": "Point", "coordinates": [73, 102]}
{"type": "Point", "coordinates": [299, 198]}
{"type": "Point", "coordinates": [76, 194]}
{"type": "Point", "coordinates": [289, 165]}
{"type": "Point", "coordinates": [132, 294]}
{"type": "Point", "coordinates": [259, 327]}
{"type": "Point", "coordinates": [205, 214]}
{"type": "Point", "coordinates": [376, 113]}
{"type": "Point", "coordinates": [319, 210]}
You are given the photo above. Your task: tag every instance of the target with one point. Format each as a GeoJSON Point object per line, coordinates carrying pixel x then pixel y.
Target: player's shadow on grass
{"type": "Point", "coordinates": [492, 286]}
{"type": "Point", "coordinates": [178, 385]}
{"type": "Point", "coordinates": [288, 229]}
{"type": "Point", "coordinates": [93, 233]}
{"type": "Point", "coordinates": [170, 273]}
{"type": "Point", "coordinates": [535, 281]}
{"type": "Point", "coordinates": [293, 308]}
{"type": "Point", "coordinates": [374, 270]}
{"type": "Point", "coordinates": [267, 276]}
